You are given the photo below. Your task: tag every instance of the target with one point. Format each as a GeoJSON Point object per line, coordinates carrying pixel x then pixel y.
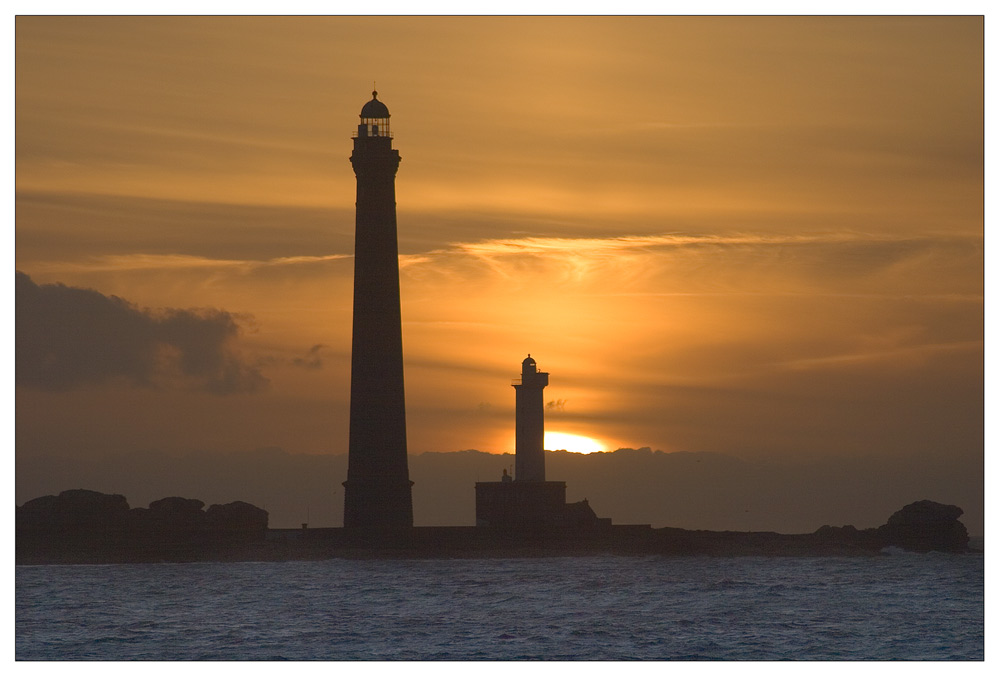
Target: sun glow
{"type": "Point", "coordinates": [578, 444]}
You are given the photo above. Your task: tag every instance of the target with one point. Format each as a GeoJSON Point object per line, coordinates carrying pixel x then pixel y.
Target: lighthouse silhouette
{"type": "Point", "coordinates": [529, 426]}
{"type": "Point", "coordinates": [529, 504]}
{"type": "Point", "coordinates": [377, 493]}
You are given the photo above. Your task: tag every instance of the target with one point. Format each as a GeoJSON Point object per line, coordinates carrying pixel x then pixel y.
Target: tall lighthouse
{"type": "Point", "coordinates": [377, 493]}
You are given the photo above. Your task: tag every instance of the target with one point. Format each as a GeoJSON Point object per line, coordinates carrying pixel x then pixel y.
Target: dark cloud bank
{"type": "Point", "coordinates": [66, 337]}
{"type": "Point", "coordinates": [692, 490]}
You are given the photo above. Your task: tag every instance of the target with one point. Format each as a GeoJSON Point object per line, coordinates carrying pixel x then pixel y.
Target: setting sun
{"type": "Point", "coordinates": [576, 443]}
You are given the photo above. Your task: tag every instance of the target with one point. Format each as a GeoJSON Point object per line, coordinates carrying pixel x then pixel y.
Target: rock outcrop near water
{"type": "Point", "coordinates": [87, 526]}
{"type": "Point", "coordinates": [926, 526]}
{"type": "Point", "coordinates": [74, 514]}
{"type": "Point", "coordinates": [83, 525]}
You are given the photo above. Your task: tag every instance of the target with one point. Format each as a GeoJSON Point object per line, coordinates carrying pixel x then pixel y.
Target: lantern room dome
{"type": "Point", "coordinates": [375, 108]}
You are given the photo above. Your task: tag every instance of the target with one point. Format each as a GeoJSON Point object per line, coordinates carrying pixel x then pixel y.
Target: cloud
{"type": "Point", "coordinates": [836, 262]}
{"type": "Point", "coordinates": [555, 405]}
{"type": "Point", "coordinates": [594, 246]}
{"type": "Point", "coordinates": [907, 354]}
{"type": "Point", "coordinates": [68, 337]}
{"type": "Point", "coordinates": [143, 262]}
{"type": "Point", "coordinates": [312, 360]}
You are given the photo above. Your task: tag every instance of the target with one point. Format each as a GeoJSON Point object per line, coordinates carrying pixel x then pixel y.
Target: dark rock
{"type": "Point", "coordinates": [168, 522]}
{"type": "Point", "coordinates": [172, 519]}
{"type": "Point", "coordinates": [846, 533]}
{"type": "Point", "coordinates": [176, 506]}
{"type": "Point", "coordinates": [73, 513]}
{"type": "Point", "coordinates": [237, 521]}
{"type": "Point", "coordinates": [926, 526]}
{"type": "Point", "coordinates": [925, 512]}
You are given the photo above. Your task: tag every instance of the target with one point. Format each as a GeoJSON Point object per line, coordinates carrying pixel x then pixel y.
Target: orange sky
{"type": "Point", "coordinates": [759, 236]}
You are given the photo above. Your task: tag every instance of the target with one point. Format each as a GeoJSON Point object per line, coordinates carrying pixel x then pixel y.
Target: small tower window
{"type": "Point", "coordinates": [375, 127]}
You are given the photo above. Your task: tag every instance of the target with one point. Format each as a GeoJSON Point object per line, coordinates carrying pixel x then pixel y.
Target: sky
{"type": "Point", "coordinates": [758, 236]}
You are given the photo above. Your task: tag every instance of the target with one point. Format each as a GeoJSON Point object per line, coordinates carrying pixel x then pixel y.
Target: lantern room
{"type": "Point", "coordinates": [374, 119]}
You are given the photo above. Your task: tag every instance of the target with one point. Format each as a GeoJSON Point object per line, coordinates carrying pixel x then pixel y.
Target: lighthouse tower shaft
{"type": "Point", "coordinates": [377, 493]}
{"type": "Point", "coordinates": [529, 437]}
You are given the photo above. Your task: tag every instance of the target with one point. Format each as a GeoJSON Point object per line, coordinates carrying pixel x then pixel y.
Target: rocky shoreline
{"type": "Point", "coordinates": [87, 527]}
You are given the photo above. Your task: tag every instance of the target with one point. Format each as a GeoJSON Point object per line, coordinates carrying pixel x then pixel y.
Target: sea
{"type": "Point", "coordinates": [898, 606]}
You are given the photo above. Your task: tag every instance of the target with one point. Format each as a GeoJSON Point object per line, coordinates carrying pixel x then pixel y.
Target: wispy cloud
{"type": "Point", "coordinates": [407, 260]}
{"type": "Point", "coordinates": [628, 255]}
{"type": "Point", "coordinates": [948, 298]}
{"type": "Point", "coordinates": [901, 353]}
{"type": "Point", "coordinates": [139, 262]}
{"type": "Point", "coordinates": [550, 245]}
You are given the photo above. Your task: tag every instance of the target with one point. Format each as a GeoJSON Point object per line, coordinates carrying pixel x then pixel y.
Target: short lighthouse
{"type": "Point", "coordinates": [530, 505]}
{"type": "Point", "coordinates": [529, 427]}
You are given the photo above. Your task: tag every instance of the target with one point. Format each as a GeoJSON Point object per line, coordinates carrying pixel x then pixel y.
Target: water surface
{"type": "Point", "coordinates": [925, 607]}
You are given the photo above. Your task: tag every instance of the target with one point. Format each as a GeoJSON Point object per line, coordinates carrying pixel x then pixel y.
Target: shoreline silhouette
{"type": "Point", "coordinates": [87, 527]}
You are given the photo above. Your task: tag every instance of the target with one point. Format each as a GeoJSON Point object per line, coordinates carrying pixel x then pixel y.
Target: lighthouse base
{"type": "Point", "coordinates": [530, 506]}
{"type": "Point", "coordinates": [378, 505]}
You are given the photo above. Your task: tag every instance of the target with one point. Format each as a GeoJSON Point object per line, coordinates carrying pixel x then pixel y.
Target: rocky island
{"type": "Point", "coordinates": [81, 526]}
